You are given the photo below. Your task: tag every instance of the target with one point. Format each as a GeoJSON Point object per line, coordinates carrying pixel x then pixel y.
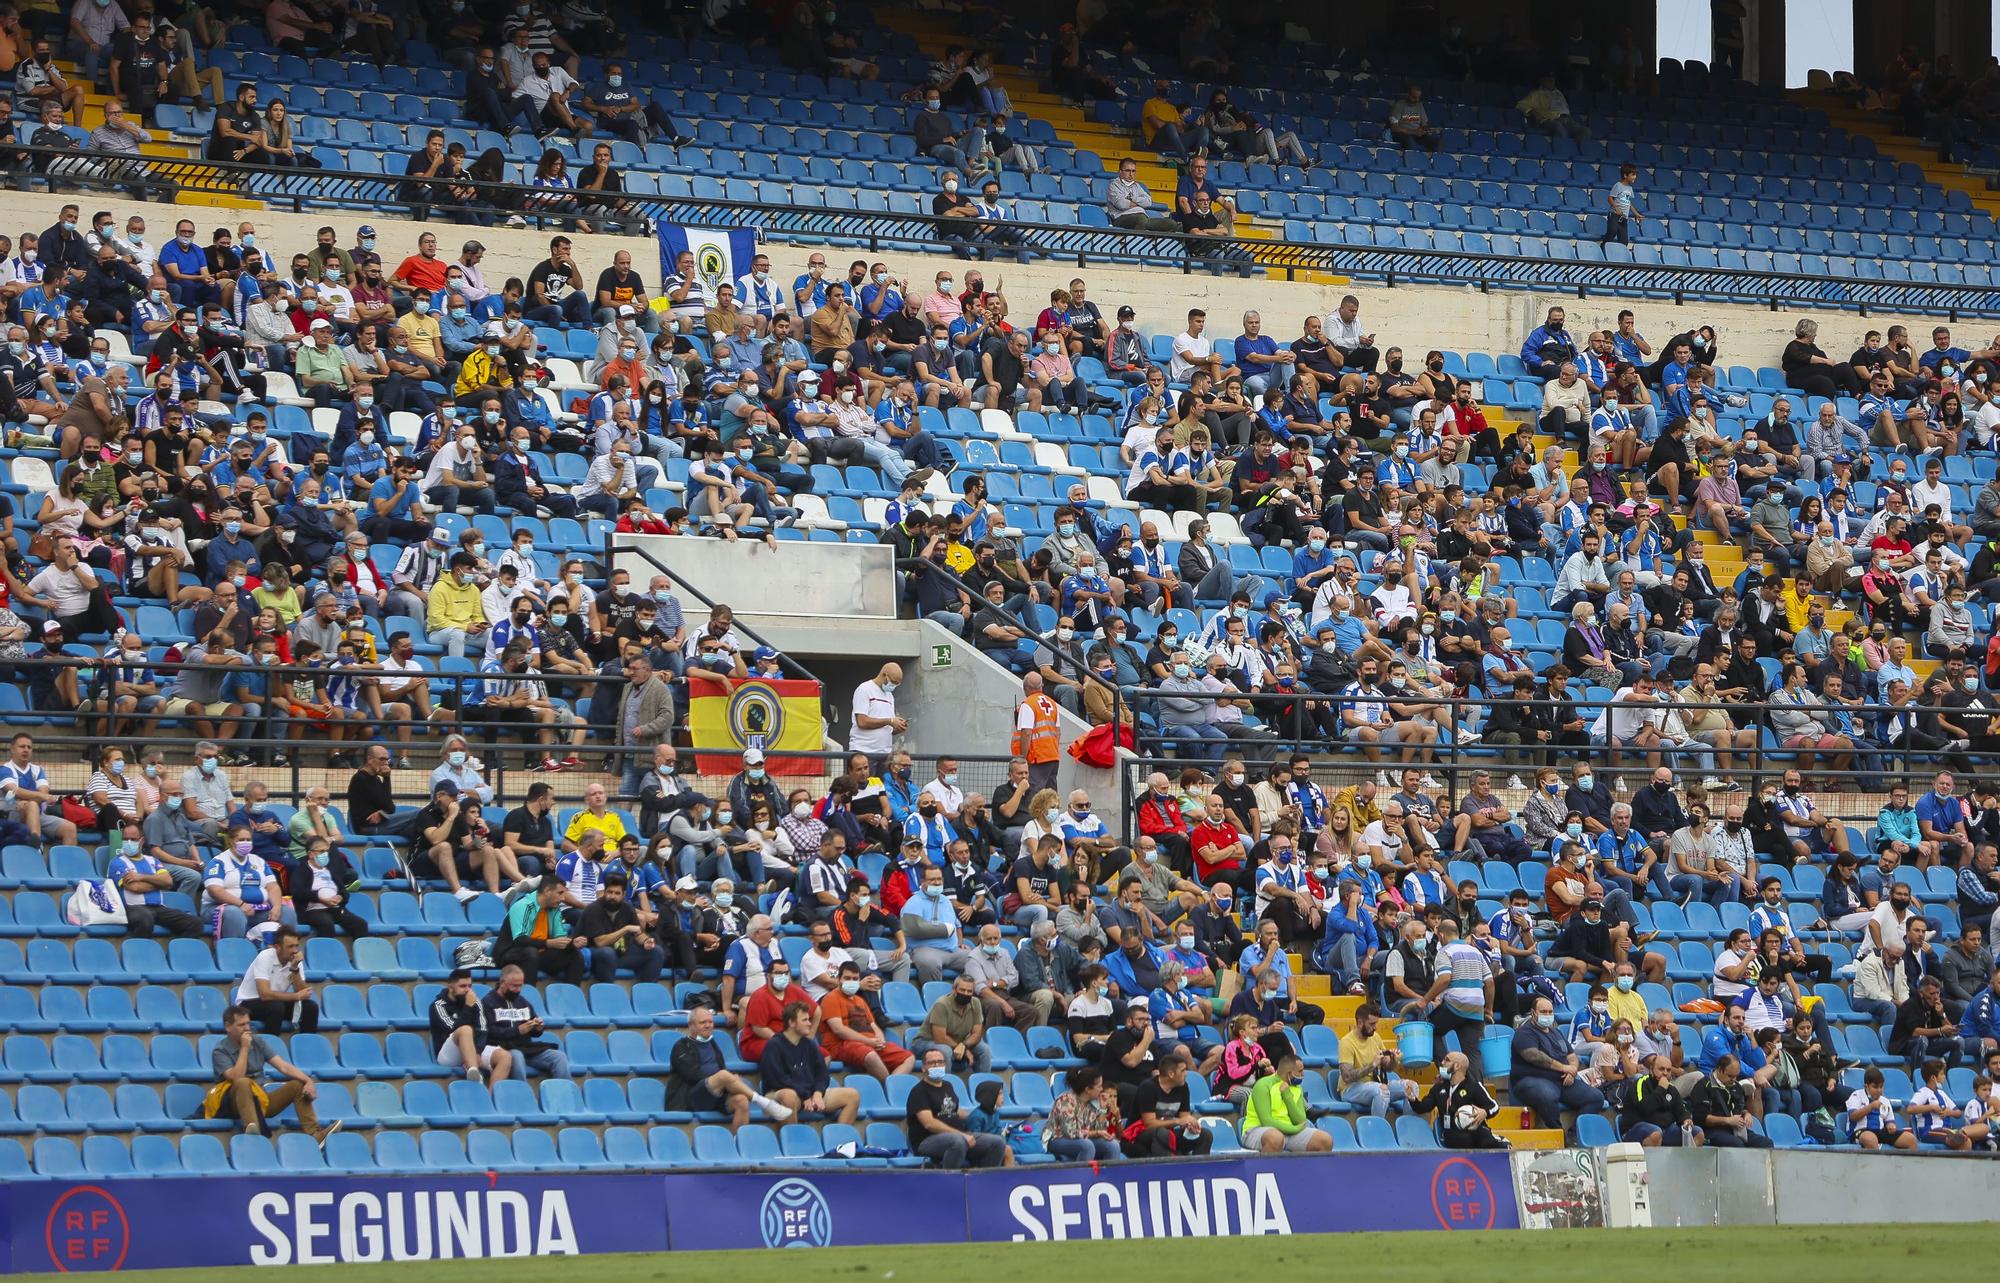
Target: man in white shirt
{"type": "Point", "coordinates": [1343, 332]}
{"type": "Point", "coordinates": [819, 967]}
{"type": "Point", "coordinates": [944, 789]}
{"type": "Point", "coordinates": [874, 724]}
{"type": "Point", "coordinates": [1194, 351]}
{"type": "Point", "coordinates": [274, 988]}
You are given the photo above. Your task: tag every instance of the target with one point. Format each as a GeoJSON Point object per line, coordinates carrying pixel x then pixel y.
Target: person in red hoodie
{"type": "Point", "coordinates": [1216, 846]}
{"type": "Point", "coordinates": [1160, 819]}
{"type": "Point", "coordinates": [903, 881]}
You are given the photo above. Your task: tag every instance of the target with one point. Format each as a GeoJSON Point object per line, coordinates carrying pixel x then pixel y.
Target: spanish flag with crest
{"type": "Point", "coordinates": [727, 716]}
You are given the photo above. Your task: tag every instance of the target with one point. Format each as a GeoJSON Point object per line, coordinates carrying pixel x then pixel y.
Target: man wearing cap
{"type": "Point", "coordinates": [485, 370]}
{"type": "Point", "coordinates": [320, 366]}
{"type": "Point", "coordinates": [752, 786]}
{"type": "Point", "coordinates": [451, 839]}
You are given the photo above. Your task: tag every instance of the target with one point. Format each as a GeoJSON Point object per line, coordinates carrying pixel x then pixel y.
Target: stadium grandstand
{"type": "Point", "coordinates": [1398, 606]}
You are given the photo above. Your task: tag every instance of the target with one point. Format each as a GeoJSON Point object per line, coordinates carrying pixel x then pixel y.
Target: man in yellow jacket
{"type": "Point", "coordinates": [1274, 1118]}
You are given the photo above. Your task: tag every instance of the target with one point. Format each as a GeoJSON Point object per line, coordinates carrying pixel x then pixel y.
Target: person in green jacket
{"type": "Point", "coordinates": [535, 938]}
{"type": "Point", "coordinates": [1274, 1118]}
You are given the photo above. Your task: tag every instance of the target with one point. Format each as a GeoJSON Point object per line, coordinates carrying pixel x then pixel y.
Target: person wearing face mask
{"type": "Point", "coordinates": [1545, 1074]}
{"type": "Point", "coordinates": [239, 892]}
{"type": "Point", "coordinates": [320, 897]}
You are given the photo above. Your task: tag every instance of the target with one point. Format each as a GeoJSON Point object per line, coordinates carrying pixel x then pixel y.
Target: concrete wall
{"type": "Point", "coordinates": [1818, 1187]}
{"type": "Point", "coordinates": [1414, 316]}
{"type": "Point", "coordinates": [848, 581]}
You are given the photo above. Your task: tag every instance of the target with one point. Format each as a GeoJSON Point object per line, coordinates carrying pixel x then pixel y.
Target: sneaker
{"type": "Point", "coordinates": [547, 764]}
{"type": "Point", "coordinates": [321, 1133]}
{"type": "Point", "coordinates": [1468, 735]}
{"type": "Point", "coordinates": [277, 759]}
{"type": "Point", "coordinates": [403, 762]}
{"type": "Point", "coordinates": [1382, 780]}
{"type": "Point", "coordinates": [572, 763]}
{"type": "Point", "coordinates": [515, 220]}
{"type": "Point", "coordinates": [774, 1111]}
{"type": "Point", "coordinates": [1430, 781]}
{"type": "Point", "coordinates": [1732, 786]}
{"type": "Point", "coordinates": [1357, 988]}
{"type": "Point", "coordinates": [1515, 782]}
{"type": "Point", "coordinates": [253, 1129]}
{"type": "Point", "coordinates": [1713, 783]}
{"type": "Point", "coordinates": [463, 894]}
{"type": "Point", "coordinates": [474, 1075]}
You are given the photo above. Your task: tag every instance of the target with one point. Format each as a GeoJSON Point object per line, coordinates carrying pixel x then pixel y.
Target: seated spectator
{"type": "Point", "coordinates": [241, 1064]}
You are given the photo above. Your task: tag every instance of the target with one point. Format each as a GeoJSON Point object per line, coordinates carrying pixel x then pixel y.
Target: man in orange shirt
{"type": "Point", "coordinates": [848, 1032]}
{"type": "Point", "coordinates": [764, 1013]}
{"type": "Point", "coordinates": [422, 272]}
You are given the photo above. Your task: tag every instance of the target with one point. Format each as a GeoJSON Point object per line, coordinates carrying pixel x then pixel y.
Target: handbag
{"type": "Point", "coordinates": [77, 813]}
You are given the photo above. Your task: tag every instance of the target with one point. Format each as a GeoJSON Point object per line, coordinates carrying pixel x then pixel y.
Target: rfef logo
{"type": "Point", "coordinates": [87, 1231]}
{"type": "Point", "coordinates": [1461, 1196]}
{"type": "Point", "coordinates": [795, 1214]}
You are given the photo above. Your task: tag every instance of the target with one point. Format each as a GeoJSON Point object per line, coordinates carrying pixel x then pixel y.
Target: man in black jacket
{"type": "Point", "coordinates": [459, 1036]}
{"type": "Point", "coordinates": [697, 1080]}
{"type": "Point", "coordinates": [1652, 1112]}
{"type": "Point", "coordinates": [1719, 1109]}
{"type": "Point", "coordinates": [513, 1025]}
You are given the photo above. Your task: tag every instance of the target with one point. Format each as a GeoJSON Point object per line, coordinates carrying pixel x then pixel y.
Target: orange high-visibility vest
{"type": "Point", "coordinates": [1042, 741]}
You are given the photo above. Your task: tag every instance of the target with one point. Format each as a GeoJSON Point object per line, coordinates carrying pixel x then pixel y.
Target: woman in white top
{"type": "Point", "coordinates": [114, 797]}
{"type": "Point", "coordinates": [1733, 967]}
{"type": "Point", "coordinates": [1047, 810]}
{"type": "Point", "coordinates": [772, 844]}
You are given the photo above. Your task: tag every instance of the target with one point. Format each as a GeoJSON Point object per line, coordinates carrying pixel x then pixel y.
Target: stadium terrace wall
{"type": "Point", "coordinates": [60, 1226]}
{"type": "Point", "coordinates": [1415, 316]}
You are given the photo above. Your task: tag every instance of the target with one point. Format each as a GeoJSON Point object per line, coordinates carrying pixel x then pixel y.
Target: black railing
{"type": "Point", "coordinates": [297, 189]}
{"type": "Point", "coordinates": [1454, 763]}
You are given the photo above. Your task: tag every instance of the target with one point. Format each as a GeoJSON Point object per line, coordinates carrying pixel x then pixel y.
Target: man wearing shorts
{"type": "Point", "coordinates": [697, 1080]}
{"type": "Point", "coordinates": [848, 1032]}
{"type": "Point", "coordinates": [458, 1033]}
{"type": "Point", "coordinates": [1274, 1118]}
{"type": "Point", "coordinates": [196, 695]}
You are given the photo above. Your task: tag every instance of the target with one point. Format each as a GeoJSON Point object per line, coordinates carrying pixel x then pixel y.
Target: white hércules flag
{"type": "Point", "coordinates": [720, 253]}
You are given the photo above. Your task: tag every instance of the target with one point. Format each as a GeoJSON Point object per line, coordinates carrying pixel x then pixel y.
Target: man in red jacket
{"type": "Point", "coordinates": [1160, 819]}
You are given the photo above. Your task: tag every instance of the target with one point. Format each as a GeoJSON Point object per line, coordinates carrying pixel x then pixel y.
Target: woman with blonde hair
{"type": "Point", "coordinates": [1045, 810]}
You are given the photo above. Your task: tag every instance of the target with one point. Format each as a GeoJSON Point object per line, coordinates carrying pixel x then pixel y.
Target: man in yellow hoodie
{"type": "Point", "coordinates": [456, 619]}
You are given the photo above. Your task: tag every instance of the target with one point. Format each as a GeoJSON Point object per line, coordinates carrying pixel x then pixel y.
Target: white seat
{"type": "Point", "coordinates": [874, 509]}
{"type": "Point", "coordinates": [404, 426]}
{"type": "Point", "coordinates": [33, 473]}
{"type": "Point", "coordinates": [278, 387]}
{"type": "Point", "coordinates": [1105, 491]}
{"type": "Point", "coordinates": [1051, 456]}
{"type": "Point", "coordinates": [114, 340]}
{"type": "Point", "coordinates": [1164, 521]}
{"type": "Point", "coordinates": [938, 486]}
{"type": "Point", "coordinates": [1000, 424]}
{"type": "Point", "coordinates": [812, 512]}
{"type": "Point", "coordinates": [1223, 529]}
{"type": "Point", "coordinates": [1181, 523]}
{"type": "Point", "coordinates": [325, 420]}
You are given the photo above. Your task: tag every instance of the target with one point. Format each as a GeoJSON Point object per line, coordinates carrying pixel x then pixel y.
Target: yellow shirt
{"type": "Point", "coordinates": [1358, 1055]}
{"type": "Point", "coordinates": [1628, 1006]}
{"type": "Point", "coordinates": [1157, 112]}
{"type": "Point", "coordinates": [426, 335]}
{"type": "Point", "coordinates": [454, 605]}
{"type": "Point", "coordinates": [608, 824]}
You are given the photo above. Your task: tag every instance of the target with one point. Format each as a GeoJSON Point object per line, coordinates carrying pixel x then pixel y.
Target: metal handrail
{"type": "Point", "coordinates": [736, 624]}
{"type": "Point", "coordinates": [295, 188]}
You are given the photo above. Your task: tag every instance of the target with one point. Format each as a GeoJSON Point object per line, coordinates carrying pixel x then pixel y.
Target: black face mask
{"type": "Point", "coordinates": [962, 999]}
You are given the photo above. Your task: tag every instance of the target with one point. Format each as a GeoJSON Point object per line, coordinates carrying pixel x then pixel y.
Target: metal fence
{"type": "Point", "coordinates": [300, 189]}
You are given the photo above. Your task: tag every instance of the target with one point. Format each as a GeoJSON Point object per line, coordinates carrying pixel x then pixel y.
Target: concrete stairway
{"type": "Point", "coordinates": [1901, 147]}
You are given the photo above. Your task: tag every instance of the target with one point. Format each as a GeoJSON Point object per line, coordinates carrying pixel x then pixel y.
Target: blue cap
{"type": "Point", "coordinates": [763, 653]}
